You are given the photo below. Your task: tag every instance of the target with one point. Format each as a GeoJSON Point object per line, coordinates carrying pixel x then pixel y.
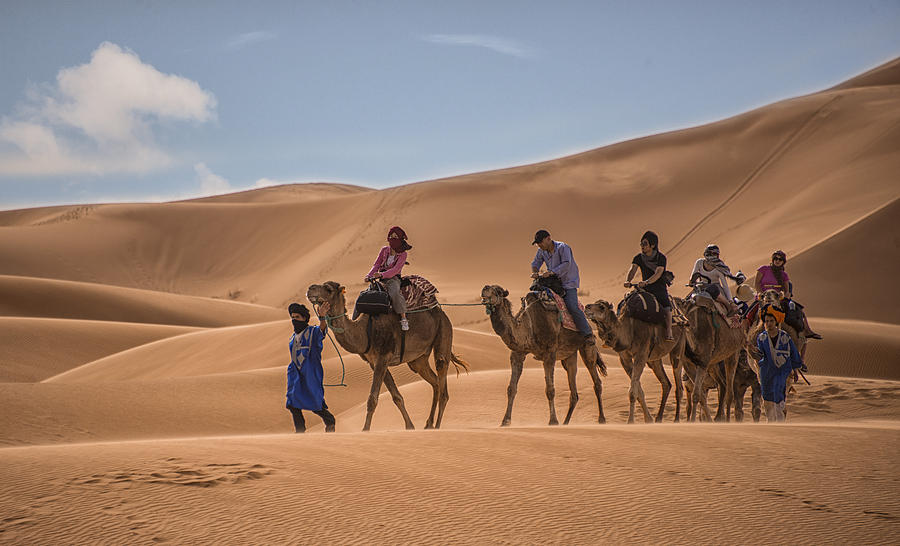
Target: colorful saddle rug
{"type": "Point", "coordinates": [418, 292]}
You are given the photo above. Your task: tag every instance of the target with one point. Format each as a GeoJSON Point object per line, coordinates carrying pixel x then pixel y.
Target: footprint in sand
{"type": "Point", "coordinates": [208, 475]}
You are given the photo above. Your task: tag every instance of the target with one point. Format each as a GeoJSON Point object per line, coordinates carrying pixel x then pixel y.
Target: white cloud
{"type": "Point", "coordinates": [248, 38]}
{"type": "Point", "coordinates": [210, 183]}
{"type": "Point", "coordinates": [99, 118]}
{"type": "Point", "coordinates": [266, 182]}
{"type": "Point", "coordinates": [494, 43]}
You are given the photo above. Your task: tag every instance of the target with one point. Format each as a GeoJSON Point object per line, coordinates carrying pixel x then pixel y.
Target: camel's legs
{"type": "Point", "coordinates": [398, 400]}
{"type": "Point", "coordinates": [421, 367]}
{"type": "Point", "coordinates": [636, 390]}
{"type": "Point", "coordinates": [377, 380]}
{"type": "Point", "coordinates": [593, 369]}
{"type": "Point", "coordinates": [516, 361]}
{"type": "Point", "coordinates": [698, 394]}
{"type": "Point", "coordinates": [660, 372]}
{"type": "Point", "coordinates": [570, 364]}
{"type": "Point", "coordinates": [395, 395]}
{"type": "Point", "coordinates": [677, 371]}
{"type": "Point", "coordinates": [739, 403]}
{"type": "Point", "coordinates": [442, 364]}
{"type": "Point", "coordinates": [549, 389]}
{"type": "Point", "coordinates": [730, 370]}
{"type": "Point", "coordinates": [628, 366]}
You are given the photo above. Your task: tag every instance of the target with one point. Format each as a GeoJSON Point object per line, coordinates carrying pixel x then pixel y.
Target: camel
{"type": "Point", "coordinates": [536, 330]}
{"type": "Point", "coordinates": [710, 340]}
{"type": "Point", "coordinates": [745, 378]}
{"type": "Point", "coordinates": [377, 339]}
{"type": "Point", "coordinates": [638, 342]}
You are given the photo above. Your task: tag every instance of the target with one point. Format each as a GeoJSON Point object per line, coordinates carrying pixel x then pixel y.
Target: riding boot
{"type": "Point", "coordinates": [669, 336]}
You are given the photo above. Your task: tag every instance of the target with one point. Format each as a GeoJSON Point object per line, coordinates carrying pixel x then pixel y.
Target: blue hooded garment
{"type": "Point", "coordinates": [773, 378]}
{"type": "Point", "coordinates": [305, 374]}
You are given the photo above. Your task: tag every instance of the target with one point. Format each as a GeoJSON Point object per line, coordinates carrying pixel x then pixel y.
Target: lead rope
{"type": "Point", "coordinates": [338, 331]}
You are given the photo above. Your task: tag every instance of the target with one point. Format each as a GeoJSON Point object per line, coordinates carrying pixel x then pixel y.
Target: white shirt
{"type": "Point", "coordinates": [714, 277]}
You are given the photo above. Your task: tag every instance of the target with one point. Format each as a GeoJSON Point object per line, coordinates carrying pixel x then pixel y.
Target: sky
{"type": "Point", "coordinates": [124, 100]}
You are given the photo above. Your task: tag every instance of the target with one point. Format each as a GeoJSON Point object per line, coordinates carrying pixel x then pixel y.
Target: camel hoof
{"type": "Point", "coordinates": [365, 429]}
{"type": "Point", "coordinates": [601, 420]}
{"type": "Point", "coordinates": [553, 422]}
{"type": "Point", "coordinates": [428, 426]}
{"type": "Point", "coordinates": [505, 423]}
{"type": "Point", "coordinates": [410, 426]}
{"type": "Point", "coordinates": [658, 420]}
{"type": "Point", "coordinates": [630, 421]}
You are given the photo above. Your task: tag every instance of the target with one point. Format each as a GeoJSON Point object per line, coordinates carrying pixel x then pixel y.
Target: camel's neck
{"type": "Point", "coordinates": [621, 335]}
{"type": "Point", "coordinates": [506, 326]}
{"type": "Point", "coordinates": [351, 334]}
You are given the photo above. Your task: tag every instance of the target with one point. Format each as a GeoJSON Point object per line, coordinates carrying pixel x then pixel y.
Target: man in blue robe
{"type": "Point", "coordinates": [305, 375]}
{"type": "Point", "coordinates": [779, 359]}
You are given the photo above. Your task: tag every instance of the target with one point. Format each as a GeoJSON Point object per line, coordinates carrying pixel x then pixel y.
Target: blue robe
{"type": "Point", "coordinates": [305, 374]}
{"type": "Point", "coordinates": [772, 377]}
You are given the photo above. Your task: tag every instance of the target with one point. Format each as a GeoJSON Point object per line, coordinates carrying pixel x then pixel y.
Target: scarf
{"type": "Point", "coordinates": [299, 325]}
{"type": "Point", "coordinates": [650, 261]}
{"type": "Point", "coordinates": [777, 360]}
{"type": "Point", "coordinates": [717, 263]}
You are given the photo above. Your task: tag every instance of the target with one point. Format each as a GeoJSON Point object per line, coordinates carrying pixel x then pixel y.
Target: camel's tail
{"type": "Point", "coordinates": [692, 356]}
{"type": "Point", "coordinates": [459, 363]}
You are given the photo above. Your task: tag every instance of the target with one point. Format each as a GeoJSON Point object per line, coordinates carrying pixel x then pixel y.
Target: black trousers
{"type": "Point", "coordinates": [300, 422]}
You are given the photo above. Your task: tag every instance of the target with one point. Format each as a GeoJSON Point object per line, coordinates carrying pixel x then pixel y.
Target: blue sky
{"type": "Point", "coordinates": [155, 100]}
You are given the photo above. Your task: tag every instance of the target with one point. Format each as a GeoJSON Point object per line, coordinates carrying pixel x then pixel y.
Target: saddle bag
{"type": "Point", "coordinates": [374, 301]}
{"type": "Point", "coordinates": [643, 306]}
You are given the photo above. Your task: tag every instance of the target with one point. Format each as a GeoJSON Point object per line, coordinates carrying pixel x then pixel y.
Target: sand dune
{"type": "Point", "coordinates": [287, 192]}
{"type": "Point", "coordinates": [159, 330]}
{"type": "Point", "coordinates": [855, 349]}
{"type": "Point", "coordinates": [834, 268]}
{"type": "Point", "coordinates": [33, 349]}
{"type": "Point", "coordinates": [780, 176]}
{"type": "Point", "coordinates": [35, 297]}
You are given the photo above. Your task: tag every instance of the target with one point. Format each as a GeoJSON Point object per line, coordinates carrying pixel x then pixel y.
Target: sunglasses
{"type": "Point", "coordinates": [777, 259]}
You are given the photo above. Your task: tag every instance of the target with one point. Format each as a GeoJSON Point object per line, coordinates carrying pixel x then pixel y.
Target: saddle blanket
{"type": "Point", "coordinates": [567, 320]}
{"type": "Point", "coordinates": [419, 293]}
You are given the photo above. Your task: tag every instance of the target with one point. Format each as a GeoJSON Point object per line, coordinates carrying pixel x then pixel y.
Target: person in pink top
{"type": "Point", "coordinates": [387, 268]}
{"type": "Point", "coordinates": [774, 277]}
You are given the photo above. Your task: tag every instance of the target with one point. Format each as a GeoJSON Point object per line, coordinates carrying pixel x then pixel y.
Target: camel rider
{"type": "Point", "coordinates": [305, 375]}
{"type": "Point", "coordinates": [774, 276]}
{"type": "Point", "coordinates": [652, 264]}
{"type": "Point", "coordinates": [779, 359]}
{"type": "Point", "coordinates": [387, 267]}
{"type": "Point", "coordinates": [711, 274]}
{"type": "Point", "coordinates": [558, 257]}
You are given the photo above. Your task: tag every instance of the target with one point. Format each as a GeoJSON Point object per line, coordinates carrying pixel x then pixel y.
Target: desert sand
{"type": "Point", "coordinates": [143, 352]}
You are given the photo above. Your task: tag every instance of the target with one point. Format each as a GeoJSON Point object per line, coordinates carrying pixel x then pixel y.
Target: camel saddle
{"type": "Point", "coordinates": [703, 301]}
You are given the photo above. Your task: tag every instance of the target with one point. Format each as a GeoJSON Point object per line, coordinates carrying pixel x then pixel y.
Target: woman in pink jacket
{"type": "Point", "coordinates": [387, 267]}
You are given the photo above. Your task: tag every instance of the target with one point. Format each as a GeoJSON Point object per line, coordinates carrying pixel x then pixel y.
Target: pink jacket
{"type": "Point", "coordinates": [382, 257]}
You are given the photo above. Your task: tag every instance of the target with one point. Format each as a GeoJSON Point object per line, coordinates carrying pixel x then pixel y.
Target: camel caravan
{"type": "Point", "coordinates": [755, 340]}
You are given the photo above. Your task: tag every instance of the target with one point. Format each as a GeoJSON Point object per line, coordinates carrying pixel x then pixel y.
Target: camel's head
{"type": "Point", "coordinates": [603, 315]}
{"type": "Point", "coordinates": [331, 292]}
{"type": "Point", "coordinates": [493, 294]}
{"type": "Point", "coordinates": [772, 297]}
